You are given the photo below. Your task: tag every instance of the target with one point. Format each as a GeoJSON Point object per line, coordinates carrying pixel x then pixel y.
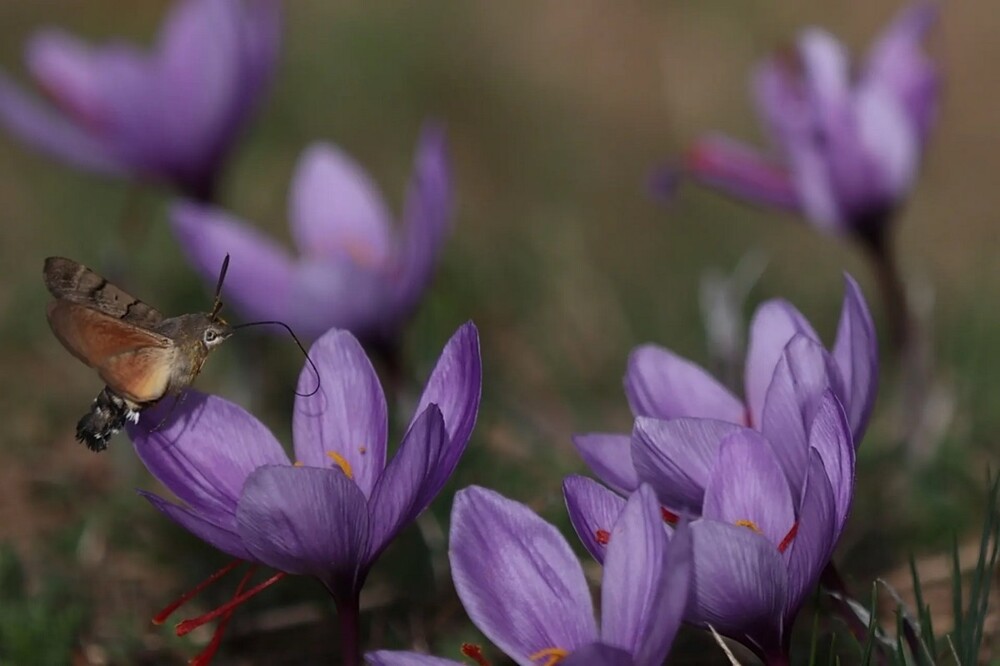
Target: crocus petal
{"type": "Point", "coordinates": [336, 210]}
{"type": "Point", "coordinates": [609, 456]}
{"type": "Point", "coordinates": [219, 536]}
{"type": "Point", "coordinates": [856, 354]}
{"type": "Point", "coordinates": [898, 62]}
{"type": "Point", "coordinates": [748, 484]}
{"type": "Point", "coordinates": [740, 584]}
{"type": "Point", "coordinates": [804, 372]}
{"type": "Point", "coordinates": [390, 658]}
{"type": "Point", "coordinates": [517, 577]}
{"type": "Point", "coordinates": [205, 450]}
{"type": "Point", "coordinates": [593, 509]}
{"type": "Point", "coordinates": [41, 127]}
{"type": "Point", "coordinates": [889, 138]}
{"type": "Point", "coordinates": [338, 293]}
{"type": "Point", "coordinates": [305, 520]}
{"type": "Point", "coordinates": [826, 67]}
{"type": "Point", "coordinates": [660, 384]}
{"type": "Point", "coordinates": [676, 457]}
{"type": "Point", "coordinates": [261, 31]}
{"type": "Point", "coordinates": [640, 612]}
{"type": "Point", "coordinates": [66, 69]}
{"type": "Point", "coordinates": [426, 217]}
{"type": "Point", "coordinates": [345, 420]}
{"type": "Point", "coordinates": [830, 436]}
{"type": "Point", "coordinates": [455, 386]}
{"type": "Point", "coordinates": [774, 323]}
{"type": "Point", "coordinates": [598, 654]}
{"type": "Point", "coordinates": [260, 271]}
{"type": "Point", "coordinates": [409, 482]}
{"type": "Point", "coordinates": [816, 536]}
{"type": "Point", "coordinates": [741, 171]}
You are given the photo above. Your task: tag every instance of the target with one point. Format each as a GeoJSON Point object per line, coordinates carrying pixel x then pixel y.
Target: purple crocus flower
{"type": "Point", "coordinates": [171, 115]}
{"type": "Point", "coordinates": [352, 269]}
{"type": "Point", "coordinates": [848, 146]}
{"type": "Point", "coordinates": [524, 588]}
{"type": "Point", "coordinates": [332, 513]}
{"type": "Point", "coordinates": [761, 541]}
{"type": "Point", "coordinates": [787, 371]}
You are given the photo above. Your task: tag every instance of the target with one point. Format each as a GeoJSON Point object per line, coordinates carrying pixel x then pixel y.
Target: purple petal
{"type": "Point", "coordinates": [748, 484]}
{"type": "Point", "coordinates": [261, 29]}
{"type": "Point", "coordinates": [330, 293]}
{"type": "Point", "coordinates": [66, 69]}
{"type": "Point", "coordinates": [518, 579]}
{"type": "Point", "coordinates": [345, 420]}
{"type": "Point", "coordinates": [426, 217]}
{"type": "Point", "coordinates": [455, 386]}
{"type": "Point", "coordinates": [598, 654]}
{"type": "Point", "coordinates": [305, 520]}
{"type": "Point", "coordinates": [774, 323]}
{"type": "Point", "coordinates": [898, 62]}
{"type": "Point", "coordinates": [336, 210]}
{"type": "Point", "coordinates": [593, 510]}
{"type": "Point", "coordinates": [610, 458]}
{"type": "Point", "coordinates": [804, 373]}
{"type": "Point", "coordinates": [740, 584]}
{"type": "Point", "coordinates": [641, 606]}
{"type": "Point", "coordinates": [409, 483]}
{"type": "Point", "coordinates": [742, 172]}
{"type": "Point", "coordinates": [259, 281]}
{"type": "Point", "coordinates": [888, 150]}
{"type": "Point", "coordinates": [205, 451]}
{"type": "Point", "coordinates": [660, 384]}
{"type": "Point", "coordinates": [676, 457]}
{"type": "Point", "coordinates": [390, 658]}
{"type": "Point", "coordinates": [856, 354]}
{"type": "Point", "coordinates": [223, 537]}
{"type": "Point", "coordinates": [830, 436]}
{"type": "Point", "coordinates": [45, 129]}
{"type": "Point", "coordinates": [816, 536]}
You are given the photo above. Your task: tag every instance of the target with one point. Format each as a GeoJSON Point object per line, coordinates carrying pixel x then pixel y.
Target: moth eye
{"type": "Point", "coordinates": [210, 336]}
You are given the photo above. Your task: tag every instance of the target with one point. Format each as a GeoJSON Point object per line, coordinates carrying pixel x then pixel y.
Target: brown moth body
{"type": "Point", "coordinates": [139, 354]}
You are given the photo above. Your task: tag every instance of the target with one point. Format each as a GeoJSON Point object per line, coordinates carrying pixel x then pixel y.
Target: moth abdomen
{"type": "Point", "coordinates": [108, 414]}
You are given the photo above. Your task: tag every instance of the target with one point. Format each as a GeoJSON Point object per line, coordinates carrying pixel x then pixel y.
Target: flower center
{"type": "Point", "coordinates": [342, 463]}
{"type": "Point", "coordinates": [552, 656]}
{"type": "Point", "coordinates": [603, 537]}
{"type": "Point", "coordinates": [475, 653]}
{"type": "Point", "coordinates": [669, 517]}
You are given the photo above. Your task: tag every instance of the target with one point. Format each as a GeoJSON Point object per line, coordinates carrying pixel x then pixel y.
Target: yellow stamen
{"type": "Point", "coordinates": [552, 656]}
{"type": "Point", "coordinates": [341, 463]}
{"type": "Point", "coordinates": [750, 525]}
{"type": "Point", "coordinates": [298, 463]}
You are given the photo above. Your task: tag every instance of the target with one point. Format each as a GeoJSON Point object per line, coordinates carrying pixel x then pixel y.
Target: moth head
{"type": "Point", "coordinates": [215, 333]}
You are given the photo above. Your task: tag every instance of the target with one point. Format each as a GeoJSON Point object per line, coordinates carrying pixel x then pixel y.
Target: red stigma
{"type": "Point", "coordinates": [603, 537]}
{"type": "Point", "coordinates": [187, 626]}
{"type": "Point", "coordinates": [475, 653]}
{"type": "Point", "coordinates": [204, 658]}
{"type": "Point", "coordinates": [787, 541]}
{"type": "Point", "coordinates": [162, 616]}
{"type": "Point", "coordinates": [669, 517]}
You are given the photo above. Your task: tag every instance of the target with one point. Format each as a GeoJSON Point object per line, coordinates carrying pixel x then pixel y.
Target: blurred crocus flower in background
{"type": "Point", "coordinates": [332, 512]}
{"type": "Point", "coordinates": [352, 268]}
{"type": "Point", "coordinates": [523, 587]}
{"type": "Point", "coordinates": [761, 538]}
{"type": "Point", "coordinates": [169, 115]}
{"type": "Point", "coordinates": [787, 371]}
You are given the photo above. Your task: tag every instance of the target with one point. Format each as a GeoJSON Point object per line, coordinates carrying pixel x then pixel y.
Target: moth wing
{"type": "Point", "coordinates": [72, 281]}
{"type": "Point", "coordinates": [94, 337]}
{"type": "Point", "coordinates": [140, 375]}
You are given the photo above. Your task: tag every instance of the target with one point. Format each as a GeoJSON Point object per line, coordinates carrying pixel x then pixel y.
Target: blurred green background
{"type": "Point", "coordinates": [555, 114]}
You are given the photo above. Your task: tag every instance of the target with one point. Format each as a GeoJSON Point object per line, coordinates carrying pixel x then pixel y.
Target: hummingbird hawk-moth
{"type": "Point", "coordinates": [140, 355]}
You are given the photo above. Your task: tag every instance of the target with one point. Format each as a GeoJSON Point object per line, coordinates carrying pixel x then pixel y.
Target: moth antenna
{"type": "Point", "coordinates": [297, 342]}
{"type": "Point", "coordinates": [218, 287]}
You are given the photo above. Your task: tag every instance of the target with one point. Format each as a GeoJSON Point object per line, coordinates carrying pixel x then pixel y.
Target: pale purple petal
{"type": "Point", "coordinates": [598, 654]}
{"type": "Point", "coordinates": [305, 520]}
{"type": "Point", "coordinates": [261, 29]}
{"type": "Point", "coordinates": [330, 293]}
{"type": "Point", "coordinates": [741, 171]}
{"type": "Point", "coordinates": [390, 658]}
{"type": "Point", "coordinates": [826, 67]}
{"type": "Point", "coordinates": [888, 138]}
{"type": "Point", "coordinates": [740, 584]}
{"type": "Point", "coordinates": [748, 484]}
{"type": "Point", "coordinates": [609, 456]}
{"type": "Point", "coordinates": [830, 436]}
{"type": "Point", "coordinates": [345, 419]}
{"type": "Point", "coordinates": [592, 509]}
{"type": "Point", "coordinates": [676, 457]}
{"type": "Point", "coordinates": [856, 354]}
{"type": "Point", "coordinates": [335, 209]}
{"type": "Point", "coordinates": [260, 274]}
{"type": "Point", "coordinates": [409, 482]}
{"type": "Point", "coordinates": [774, 323]}
{"type": "Point", "coordinates": [216, 534]}
{"type": "Point", "coordinates": [67, 70]}
{"type": "Point", "coordinates": [660, 384]}
{"type": "Point", "coordinates": [816, 537]}
{"type": "Point", "coordinates": [518, 579]}
{"type": "Point", "coordinates": [805, 371]}
{"type": "Point", "coordinates": [205, 450]}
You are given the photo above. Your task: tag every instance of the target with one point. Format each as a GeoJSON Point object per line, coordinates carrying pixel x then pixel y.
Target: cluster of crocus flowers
{"type": "Point", "coordinates": [848, 144]}
{"type": "Point", "coordinates": [524, 588]}
{"type": "Point", "coordinates": [332, 512]}
{"type": "Point", "coordinates": [170, 115]}
{"type": "Point", "coordinates": [352, 269]}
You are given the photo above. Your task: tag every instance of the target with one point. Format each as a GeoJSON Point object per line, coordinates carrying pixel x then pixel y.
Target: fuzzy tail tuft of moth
{"type": "Point", "coordinates": [108, 414]}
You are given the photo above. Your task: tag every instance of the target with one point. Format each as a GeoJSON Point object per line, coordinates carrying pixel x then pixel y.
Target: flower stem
{"type": "Point", "coordinates": [882, 253]}
{"type": "Point", "coordinates": [348, 613]}
{"type": "Point", "coordinates": [777, 659]}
